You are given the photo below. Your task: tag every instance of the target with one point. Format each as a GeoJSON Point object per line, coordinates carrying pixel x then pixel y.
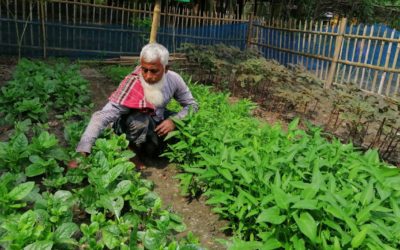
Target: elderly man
{"type": "Point", "coordinates": [138, 106]}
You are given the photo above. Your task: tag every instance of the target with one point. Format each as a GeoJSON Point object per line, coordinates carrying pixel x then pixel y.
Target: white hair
{"type": "Point", "coordinates": [153, 52]}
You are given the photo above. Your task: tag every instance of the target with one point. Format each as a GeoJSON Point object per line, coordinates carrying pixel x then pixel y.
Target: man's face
{"type": "Point", "coordinates": [152, 72]}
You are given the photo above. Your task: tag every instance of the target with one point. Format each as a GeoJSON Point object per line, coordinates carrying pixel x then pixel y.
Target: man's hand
{"type": "Point", "coordinates": [74, 163]}
{"type": "Point", "coordinates": [165, 127]}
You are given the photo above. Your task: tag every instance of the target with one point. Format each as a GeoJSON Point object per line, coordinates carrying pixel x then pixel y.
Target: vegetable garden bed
{"type": "Point", "coordinates": [289, 189]}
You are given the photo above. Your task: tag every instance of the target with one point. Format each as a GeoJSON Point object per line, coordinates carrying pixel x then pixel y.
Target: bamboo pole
{"type": "Point", "coordinates": [249, 31]}
{"type": "Point", "coordinates": [360, 53]}
{"type": "Point", "coordinates": [346, 57]}
{"type": "Point", "coordinates": [314, 42]}
{"type": "Point", "coordinates": [353, 55]}
{"type": "Point", "coordinates": [308, 59]}
{"type": "Point", "coordinates": [389, 50]}
{"type": "Point", "coordinates": [156, 21]}
{"type": "Point", "coordinates": [304, 42]}
{"type": "Point", "coordinates": [74, 23]}
{"type": "Point", "coordinates": [42, 17]}
{"type": "Point", "coordinates": [279, 33]}
{"type": "Point", "coordinates": [122, 26]}
{"type": "Point", "coordinates": [338, 45]}
{"type": "Point", "coordinates": [31, 18]}
{"type": "Point", "coordinates": [269, 52]}
{"type": "Point", "coordinates": [396, 57]}
{"type": "Point", "coordinates": [371, 32]}
{"type": "Point", "coordinates": [330, 51]}
{"type": "Point", "coordinates": [379, 63]}
{"type": "Point", "coordinates": [298, 38]}
{"type": "Point", "coordinates": [396, 90]}
{"type": "Point", "coordinates": [319, 62]}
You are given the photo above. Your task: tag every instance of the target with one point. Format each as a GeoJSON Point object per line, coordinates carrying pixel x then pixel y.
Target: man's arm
{"type": "Point", "coordinates": [100, 119]}
{"type": "Point", "coordinates": [185, 98]}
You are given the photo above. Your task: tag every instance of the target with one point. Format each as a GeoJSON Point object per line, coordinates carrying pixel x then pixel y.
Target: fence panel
{"type": "Point", "coordinates": [367, 56]}
{"type": "Point", "coordinates": [85, 29]}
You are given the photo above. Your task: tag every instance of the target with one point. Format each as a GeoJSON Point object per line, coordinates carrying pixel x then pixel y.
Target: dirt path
{"type": "Point", "coordinates": [197, 216]}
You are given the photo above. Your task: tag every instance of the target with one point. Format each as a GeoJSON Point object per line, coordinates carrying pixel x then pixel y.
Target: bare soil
{"type": "Point", "coordinates": [197, 216]}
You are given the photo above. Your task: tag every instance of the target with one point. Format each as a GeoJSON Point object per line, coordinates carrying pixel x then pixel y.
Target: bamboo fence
{"type": "Point", "coordinates": [367, 56]}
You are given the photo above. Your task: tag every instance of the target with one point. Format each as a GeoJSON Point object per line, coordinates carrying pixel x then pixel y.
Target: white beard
{"type": "Point", "coordinates": [153, 92]}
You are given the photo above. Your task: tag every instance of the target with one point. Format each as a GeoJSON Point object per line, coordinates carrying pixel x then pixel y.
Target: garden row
{"type": "Point", "coordinates": [368, 121]}
{"type": "Point", "coordinates": [292, 190]}
{"type": "Point", "coordinates": [103, 204]}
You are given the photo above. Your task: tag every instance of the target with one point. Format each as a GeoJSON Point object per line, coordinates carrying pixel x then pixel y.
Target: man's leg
{"type": "Point", "coordinates": [139, 129]}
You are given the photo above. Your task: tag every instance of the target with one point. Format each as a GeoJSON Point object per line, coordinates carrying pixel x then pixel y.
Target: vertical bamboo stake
{"type": "Point", "coordinates": [249, 31]}
{"type": "Point", "coordinates": [298, 38]}
{"type": "Point", "coordinates": [371, 33]}
{"type": "Point", "coordinates": [346, 56]}
{"type": "Point", "coordinates": [319, 62]}
{"type": "Point", "coordinates": [30, 19]}
{"type": "Point", "coordinates": [80, 24]}
{"type": "Point", "coordinates": [373, 55]}
{"type": "Point", "coordinates": [378, 63]}
{"type": "Point", "coordinates": [314, 61]}
{"type": "Point", "coordinates": [338, 45]}
{"type": "Point", "coordinates": [156, 21]}
{"type": "Point", "coordinates": [25, 22]}
{"type": "Point", "coordinates": [330, 50]}
{"type": "Point", "coordinates": [359, 58]}
{"type": "Point", "coordinates": [8, 23]}
{"type": "Point", "coordinates": [389, 50]}
{"type": "Point", "coordinates": [122, 27]}
{"type": "Point", "coordinates": [304, 42]}
{"type": "Point", "coordinates": [268, 38]}
{"type": "Point", "coordinates": [42, 17]}
{"type": "Point", "coordinates": [323, 50]}
{"type": "Point", "coordinates": [353, 55]}
{"type": "Point", "coordinates": [396, 56]}
{"type": "Point", "coordinates": [279, 40]}
{"type": "Point", "coordinates": [308, 59]}
{"type": "Point", "coordinates": [396, 91]}
{"type": "Point", "coordinates": [74, 23]}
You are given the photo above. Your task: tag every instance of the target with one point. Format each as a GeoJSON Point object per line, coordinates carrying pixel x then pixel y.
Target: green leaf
{"type": "Point", "coordinates": [225, 173]}
{"type": "Point", "coordinates": [20, 142]}
{"type": "Point", "coordinates": [359, 237]}
{"type": "Point", "coordinates": [306, 204]}
{"type": "Point", "coordinates": [368, 194]}
{"type": "Point", "coordinates": [307, 226]}
{"type": "Point", "coordinates": [22, 190]}
{"type": "Point", "coordinates": [35, 170]}
{"type": "Point", "coordinates": [112, 174]}
{"type": "Point", "coordinates": [152, 239]}
{"type": "Point", "coordinates": [122, 187]}
{"type": "Point", "coordinates": [114, 205]}
{"type": "Point", "coordinates": [40, 245]}
{"type": "Point", "coordinates": [280, 197]}
{"type": "Point", "coordinates": [248, 178]}
{"type": "Point", "coordinates": [65, 231]}
{"type": "Point", "coordinates": [109, 239]}
{"type": "Point", "coordinates": [271, 215]}
{"type": "Point", "coordinates": [271, 243]}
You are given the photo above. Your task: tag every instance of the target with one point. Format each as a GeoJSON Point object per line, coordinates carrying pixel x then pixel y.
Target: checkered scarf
{"type": "Point", "coordinates": [130, 93]}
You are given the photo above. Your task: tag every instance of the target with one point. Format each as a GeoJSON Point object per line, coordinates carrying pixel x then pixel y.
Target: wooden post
{"type": "Point", "coordinates": [336, 54]}
{"type": "Point", "coordinates": [250, 31]}
{"type": "Point", "coordinates": [156, 21]}
{"type": "Point", "coordinates": [42, 17]}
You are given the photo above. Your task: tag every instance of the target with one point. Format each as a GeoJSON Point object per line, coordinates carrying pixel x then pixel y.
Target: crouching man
{"type": "Point", "coordinates": [138, 106]}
